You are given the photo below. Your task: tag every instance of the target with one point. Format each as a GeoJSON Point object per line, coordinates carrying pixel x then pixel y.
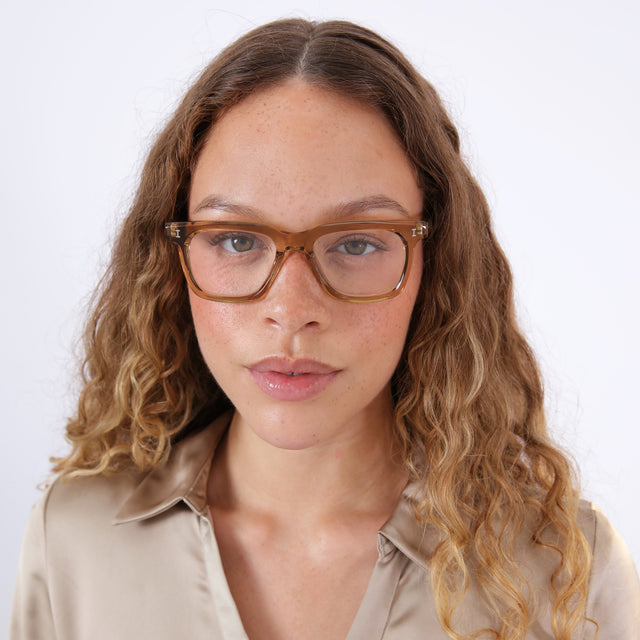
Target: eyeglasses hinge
{"type": "Point", "coordinates": [419, 230]}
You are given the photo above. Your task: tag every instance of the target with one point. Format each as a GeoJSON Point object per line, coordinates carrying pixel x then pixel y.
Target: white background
{"type": "Point", "coordinates": [546, 96]}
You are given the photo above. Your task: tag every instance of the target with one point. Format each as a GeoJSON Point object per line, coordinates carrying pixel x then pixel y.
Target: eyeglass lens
{"type": "Point", "coordinates": [235, 263]}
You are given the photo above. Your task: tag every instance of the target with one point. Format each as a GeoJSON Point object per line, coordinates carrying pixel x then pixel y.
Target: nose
{"type": "Point", "coordinates": [296, 299]}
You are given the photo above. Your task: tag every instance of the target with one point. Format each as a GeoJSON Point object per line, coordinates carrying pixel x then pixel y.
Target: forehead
{"type": "Point", "coordinates": [308, 103]}
{"type": "Point", "coordinates": [300, 145]}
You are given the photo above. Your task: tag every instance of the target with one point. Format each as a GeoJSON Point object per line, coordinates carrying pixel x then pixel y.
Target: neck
{"type": "Point", "coordinates": [354, 475]}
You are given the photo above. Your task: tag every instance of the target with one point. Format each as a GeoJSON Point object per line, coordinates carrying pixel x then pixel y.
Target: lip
{"type": "Point", "coordinates": [292, 380]}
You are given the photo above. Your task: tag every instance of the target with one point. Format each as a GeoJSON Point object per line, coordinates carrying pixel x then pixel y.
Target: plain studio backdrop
{"type": "Point", "coordinates": [546, 97]}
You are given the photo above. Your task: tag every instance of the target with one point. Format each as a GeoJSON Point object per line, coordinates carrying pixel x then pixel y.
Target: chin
{"type": "Point", "coordinates": [288, 437]}
{"type": "Point", "coordinates": [290, 426]}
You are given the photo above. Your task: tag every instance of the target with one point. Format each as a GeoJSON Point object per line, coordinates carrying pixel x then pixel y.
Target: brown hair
{"type": "Point", "coordinates": [469, 401]}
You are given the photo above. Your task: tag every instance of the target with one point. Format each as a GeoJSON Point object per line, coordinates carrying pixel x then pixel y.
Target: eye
{"type": "Point", "coordinates": [358, 246]}
{"type": "Point", "coordinates": [235, 242]}
{"type": "Point", "coordinates": [239, 244]}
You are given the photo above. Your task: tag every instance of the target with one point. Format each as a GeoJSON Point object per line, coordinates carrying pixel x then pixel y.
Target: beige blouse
{"type": "Point", "coordinates": [130, 557]}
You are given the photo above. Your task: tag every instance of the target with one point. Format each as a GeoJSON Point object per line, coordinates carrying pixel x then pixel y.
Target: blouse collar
{"type": "Point", "coordinates": [183, 478]}
{"type": "Point", "coordinates": [185, 475]}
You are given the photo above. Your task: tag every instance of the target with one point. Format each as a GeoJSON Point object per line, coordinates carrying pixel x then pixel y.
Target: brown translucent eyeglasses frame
{"type": "Point", "coordinates": [410, 231]}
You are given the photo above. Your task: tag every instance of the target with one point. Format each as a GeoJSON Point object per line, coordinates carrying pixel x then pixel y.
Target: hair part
{"type": "Point", "coordinates": [469, 400]}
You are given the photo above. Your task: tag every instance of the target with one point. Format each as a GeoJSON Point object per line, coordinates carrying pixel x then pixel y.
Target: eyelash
{"type": "Point", "coordinates": [231, 235]}
{"type": "Point", "coordinates": [366, 240]}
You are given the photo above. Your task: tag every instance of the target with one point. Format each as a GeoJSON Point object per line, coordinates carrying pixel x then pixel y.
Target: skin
{"type": "Point", "coordinates": [298, 489]}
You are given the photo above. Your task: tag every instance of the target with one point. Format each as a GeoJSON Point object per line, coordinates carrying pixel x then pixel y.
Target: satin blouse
{"type": "Point", "coordinates": [132, 557]}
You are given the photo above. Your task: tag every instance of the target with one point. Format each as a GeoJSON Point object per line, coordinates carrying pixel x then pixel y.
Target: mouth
{"type": "Point", "coordinates": [292, 380]}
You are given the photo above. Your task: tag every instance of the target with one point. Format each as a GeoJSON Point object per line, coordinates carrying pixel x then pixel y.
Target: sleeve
{"type": "Point", "coordinates": [31, 617]}
{"type": "Point", "coordinates": [614, 591]}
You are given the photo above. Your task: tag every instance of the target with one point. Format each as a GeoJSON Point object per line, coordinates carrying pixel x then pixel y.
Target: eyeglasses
{"type": "Point", "coordinates": [359, 261]}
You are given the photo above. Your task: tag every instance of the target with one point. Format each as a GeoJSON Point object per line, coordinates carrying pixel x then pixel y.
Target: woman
{"type": "Point", "coordinates": [308, 411]}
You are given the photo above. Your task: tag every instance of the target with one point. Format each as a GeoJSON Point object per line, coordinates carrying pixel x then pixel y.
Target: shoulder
{"type": "Point", "coordinates": [75, 510]}
{"type": "Point", "coordinates": [64, 535]}
{"type": "Point", "coordinates": [607, 546]}
{"type": "Point", "coordinates": [91, 497]}
{"type": "Point", "coordinates": [614, 588]}
{"type": "Point", "coordinates": [94, 497]}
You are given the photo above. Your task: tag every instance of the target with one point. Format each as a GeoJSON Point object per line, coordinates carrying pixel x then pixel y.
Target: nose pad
{"type": "Point", "coordinates": [296, 299]}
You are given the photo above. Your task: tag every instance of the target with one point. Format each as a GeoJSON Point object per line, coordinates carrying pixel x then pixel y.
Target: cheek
{"type": "Point", "coordinates": [390, 319]}
{"type": "Point", "coordinates": [384, 328]}
{"type": "Point", "coordinates": [214, 321]}
{"type": "Point", "coordinates": [398, 316]}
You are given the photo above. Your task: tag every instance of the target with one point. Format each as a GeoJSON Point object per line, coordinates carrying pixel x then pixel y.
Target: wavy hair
{"type": "Point", "coordinates": [468, 395]}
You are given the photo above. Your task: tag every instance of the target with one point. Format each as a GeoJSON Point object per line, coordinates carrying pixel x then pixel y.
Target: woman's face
{"type": "Point", "coordinates": [295, 157]}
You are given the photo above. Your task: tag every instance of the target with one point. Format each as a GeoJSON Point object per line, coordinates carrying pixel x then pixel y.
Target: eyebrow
{"type": "Point", "coordinates": [221, 204]}
{"type": "Point", "coordinates": [367, 204]}
{"type": "Point", "coordinates": [343, 210]}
